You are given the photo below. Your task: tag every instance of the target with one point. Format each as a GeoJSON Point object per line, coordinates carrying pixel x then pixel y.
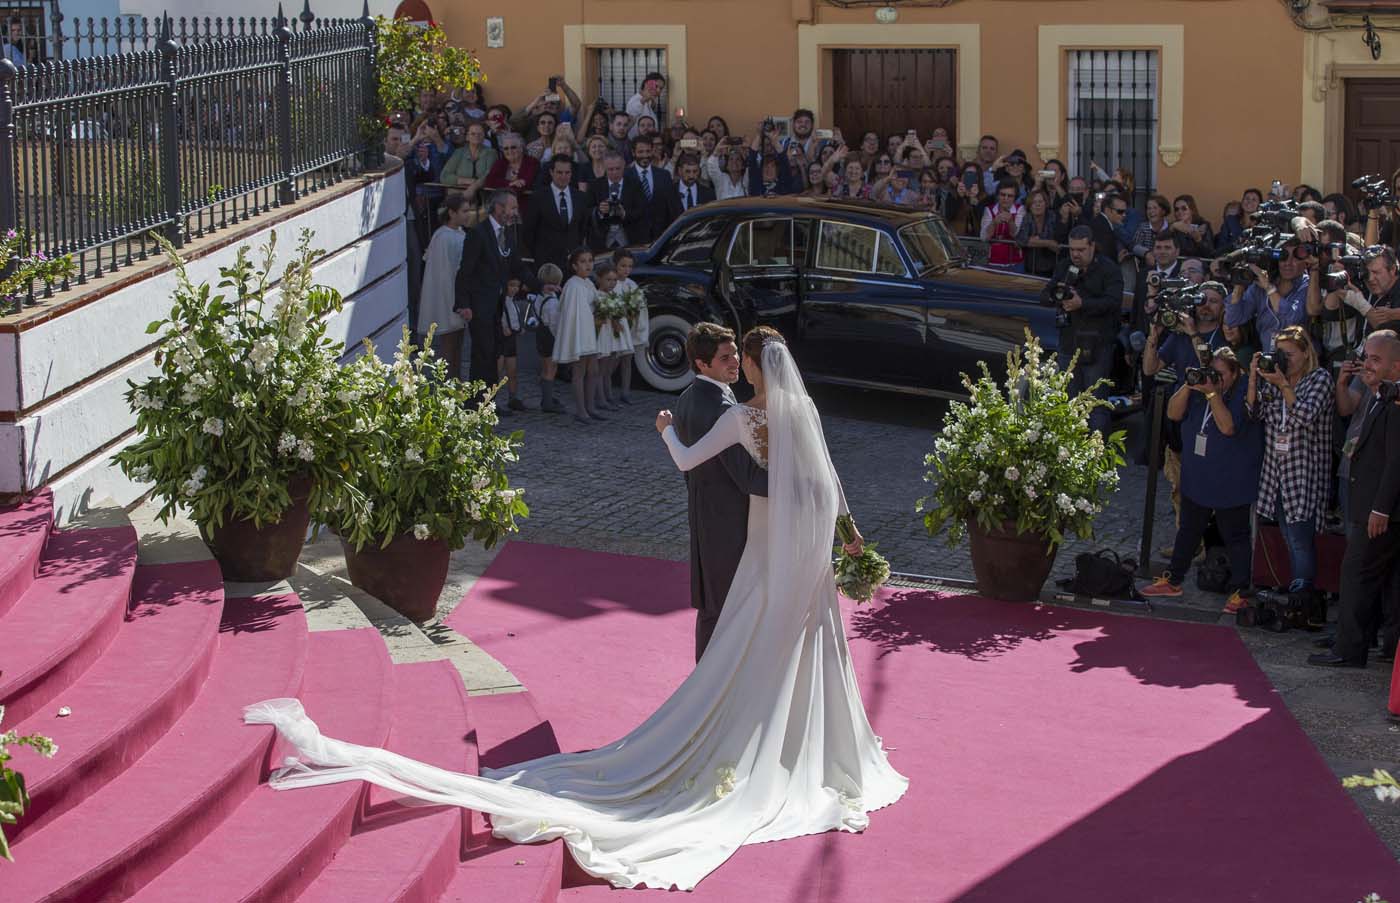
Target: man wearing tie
{"type": "Point", "coordinates": [647, 220]}
{"type": "Point", "coordinates": [1373, 502]}
{"type": "Point", "coordinates": [611, 198]}
{"type": "Point", "coordinates": [490, 258]}
{"type": "Point", "coordinates": [689, 192]}
{"type": "Point", "coordinates": [557, 219]}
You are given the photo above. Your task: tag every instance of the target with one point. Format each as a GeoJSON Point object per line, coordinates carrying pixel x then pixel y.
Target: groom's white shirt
{"type": "Point", "coordinates": [728, 392]}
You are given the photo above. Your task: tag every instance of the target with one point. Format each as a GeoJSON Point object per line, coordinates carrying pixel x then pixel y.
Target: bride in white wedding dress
{"type": "Point", "coordinates": [767, 739]}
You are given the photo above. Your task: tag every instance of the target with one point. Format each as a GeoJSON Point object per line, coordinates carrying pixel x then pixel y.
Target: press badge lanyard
{"type": "Point", "coordinates": [1201, 434]}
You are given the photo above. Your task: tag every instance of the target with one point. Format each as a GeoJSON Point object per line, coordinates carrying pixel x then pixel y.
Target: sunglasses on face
{"type": "Point", "coordinates": [1121, 211]}
{"type": "Point", "coordinates": [883, 161]}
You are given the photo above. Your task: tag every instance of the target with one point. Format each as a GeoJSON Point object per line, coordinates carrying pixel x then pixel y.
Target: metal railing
{"type": "Point", "coordinates": [195, 130]}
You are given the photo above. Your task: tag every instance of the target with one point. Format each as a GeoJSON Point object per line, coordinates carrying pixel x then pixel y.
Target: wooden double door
{"type": "Point", "coordinates": [889, 91]}
{"type": "Point", "coordinates": [1372, 136]}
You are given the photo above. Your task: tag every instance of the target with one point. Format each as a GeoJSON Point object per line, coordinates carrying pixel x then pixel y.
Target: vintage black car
{"type": "Point", "coordinates": [866, 294]}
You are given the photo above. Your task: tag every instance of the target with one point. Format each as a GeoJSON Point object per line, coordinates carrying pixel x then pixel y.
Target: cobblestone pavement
{"type": "Point", "coordinates": [612, 487]}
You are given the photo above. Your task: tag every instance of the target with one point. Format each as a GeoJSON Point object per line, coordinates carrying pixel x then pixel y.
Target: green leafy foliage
{"type": "Point", "coordinates": [1021, 453]}
{"type": "Point", "coordinates": [13, 797]}
{"type": "Point", "coordinates": [28, 268]}
{"type": "Point", "coordinates": [414, 58]}
{"type": "Point", "coordinates": [431, 462]}
{"type": "Point", "coordinates": [249, 395]}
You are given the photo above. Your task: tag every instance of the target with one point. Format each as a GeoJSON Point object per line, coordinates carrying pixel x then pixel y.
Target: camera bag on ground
{"type": "Point", "coordinates": [1213, 574]}
{"type": "Point", "coordinates": [1102, 574]}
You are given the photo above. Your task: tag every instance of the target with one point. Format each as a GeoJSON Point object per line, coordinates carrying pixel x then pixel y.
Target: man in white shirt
{"type": "Point", "coordinates": [644, 102]}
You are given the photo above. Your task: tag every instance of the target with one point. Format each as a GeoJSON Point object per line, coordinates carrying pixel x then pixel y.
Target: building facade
{"type": "Point", "coordinates": [1195, 96]}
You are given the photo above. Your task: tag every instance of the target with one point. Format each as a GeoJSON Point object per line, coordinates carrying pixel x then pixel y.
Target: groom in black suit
{"type": "Point", "coordinates": [717, 491]}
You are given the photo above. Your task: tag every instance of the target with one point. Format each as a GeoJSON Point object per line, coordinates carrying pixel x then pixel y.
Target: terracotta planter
{"type": "Point", "coordinates": [1010, 566]}
{"type": "Point", "coordinates": [407, 575]}
{"type": "Point", "coordinates": [255, 554]}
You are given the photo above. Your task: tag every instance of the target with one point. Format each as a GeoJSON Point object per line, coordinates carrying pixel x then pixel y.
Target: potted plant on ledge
{"type": "Point", "coordinates": [433, 475]}
{"type": "Point", "coordinates": [1017, 470]}
{"type": "Point", "coordinates": [243, 425]}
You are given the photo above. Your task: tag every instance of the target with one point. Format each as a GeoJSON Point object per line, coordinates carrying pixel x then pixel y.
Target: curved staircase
{"type": "Point", "coordinates": [158, 791]}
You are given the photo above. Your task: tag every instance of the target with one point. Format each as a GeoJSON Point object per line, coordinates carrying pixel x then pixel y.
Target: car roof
{"type": "Point", "coordinates": [847, 209]}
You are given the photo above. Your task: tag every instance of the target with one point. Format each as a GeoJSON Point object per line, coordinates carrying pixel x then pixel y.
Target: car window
{"type": "Point", "coordinates": [739, 246]}
{"type": "Point", "coordinates": [694, 243]}
{"type": "Point", "coordinates": [843, 246]}
{"type": "Point", "coordinates": [929, 245]}
{"type": "Point", "coordinates": [887, 258]}
{"type": "Point", "coordinates": [772, 243]}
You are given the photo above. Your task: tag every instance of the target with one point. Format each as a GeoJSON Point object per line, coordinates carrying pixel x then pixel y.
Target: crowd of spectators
{"type": "Point", "coordinates": [1243, 439]}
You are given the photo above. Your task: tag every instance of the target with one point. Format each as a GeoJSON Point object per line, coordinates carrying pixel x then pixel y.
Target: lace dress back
{"type": "Point", "coordinates": [755, 435]}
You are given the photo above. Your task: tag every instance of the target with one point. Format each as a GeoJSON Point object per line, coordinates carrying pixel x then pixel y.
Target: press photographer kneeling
{"type": "Point", "coordinates": [1088, 290]}
{"type": "Point", "coordinates": [1373, 501]}
{"type": "Point", "coordinates": [1220, 459]}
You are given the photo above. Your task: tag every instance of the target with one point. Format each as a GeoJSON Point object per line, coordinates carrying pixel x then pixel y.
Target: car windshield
{"type": "Point", "coordinates": [929, 245]}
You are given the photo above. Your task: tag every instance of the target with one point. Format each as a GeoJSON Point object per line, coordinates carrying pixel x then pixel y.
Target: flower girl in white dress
{"type": "Point", "coordinates": [640, 324]}
{"type": "Point", "coordinates": [614, 338]}
{"type": "Point", "coordinates": [577, 339]}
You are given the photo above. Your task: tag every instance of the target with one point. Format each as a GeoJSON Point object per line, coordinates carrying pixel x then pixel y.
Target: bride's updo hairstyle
{"type": "Point", "coordinates": [755, 339]}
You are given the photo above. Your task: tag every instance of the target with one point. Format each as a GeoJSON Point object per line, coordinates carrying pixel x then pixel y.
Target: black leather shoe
{"type": "Point", "coordinates": [1331, 660]}
{"type": "Point", "coordinates": [1324, 642]}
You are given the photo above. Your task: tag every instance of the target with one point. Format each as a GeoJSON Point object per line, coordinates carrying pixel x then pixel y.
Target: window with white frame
{"type": "Point", "coordinates": [1113, 114]}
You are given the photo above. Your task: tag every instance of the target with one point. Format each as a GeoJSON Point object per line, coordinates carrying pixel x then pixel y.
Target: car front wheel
{"type": "Point", "coordinates": [663, 365]}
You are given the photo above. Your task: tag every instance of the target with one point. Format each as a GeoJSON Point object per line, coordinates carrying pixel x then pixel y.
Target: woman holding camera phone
{"type": "Point", "coordinates": [1293, 397]}
{"type": "Point", "coordinates": [1220, 461]}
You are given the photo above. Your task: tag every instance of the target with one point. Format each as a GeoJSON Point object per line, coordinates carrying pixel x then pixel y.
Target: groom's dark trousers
{"type": "Point", "coordinates": [718, 505]}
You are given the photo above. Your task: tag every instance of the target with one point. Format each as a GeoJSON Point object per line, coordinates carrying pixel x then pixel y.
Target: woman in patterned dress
{"type": "Point", "coordinates": [1295, 403]}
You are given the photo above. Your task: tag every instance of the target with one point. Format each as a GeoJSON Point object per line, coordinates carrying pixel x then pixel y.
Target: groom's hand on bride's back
{"type": "Point", "coordinates": [663, 420]}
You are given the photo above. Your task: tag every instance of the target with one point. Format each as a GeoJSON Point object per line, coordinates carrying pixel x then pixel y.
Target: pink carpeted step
{"type": "Point", "coordinates": [24, 528]}
{"type": "Point", "coordinates": [508, 729]}
{"type": "Point", "coordinates": [277, 842]}
{"type": "Point", "coordinates": [123, 835]}
{"type": "Point", "coordinates": [129, 698]}
{"type": "Point", "coordinates": [408, 853]}
{"type": "Point", "coordinates": [67, 617]}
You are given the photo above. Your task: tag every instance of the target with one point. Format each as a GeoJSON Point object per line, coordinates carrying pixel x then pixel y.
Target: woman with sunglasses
{"type": "Point", "coordinates": [1193, 233]}
{"type": "Point", "coordinates": [516, 170]}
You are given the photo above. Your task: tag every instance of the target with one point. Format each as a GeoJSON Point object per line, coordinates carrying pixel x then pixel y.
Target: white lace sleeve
{"type": "Point", "coordinates": [728, 430]}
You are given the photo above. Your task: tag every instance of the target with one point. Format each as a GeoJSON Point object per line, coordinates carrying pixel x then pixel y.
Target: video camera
{"type": "Point", "coordinates": [1060, 293]}
{"type": "Point", "coordinates": [1176, 300]}
{"type": "Point", "coordinates": [1375, 191]}
{"type": "Point", "coordinates": [1264, 244]}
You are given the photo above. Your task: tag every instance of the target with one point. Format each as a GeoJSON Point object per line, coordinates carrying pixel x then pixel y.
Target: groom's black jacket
{"type": "Point", "coordinates": [718, 495]}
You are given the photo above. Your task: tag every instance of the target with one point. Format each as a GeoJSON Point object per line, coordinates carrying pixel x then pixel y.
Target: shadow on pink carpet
{"type": "Point", "coordinates": [1054, 754]}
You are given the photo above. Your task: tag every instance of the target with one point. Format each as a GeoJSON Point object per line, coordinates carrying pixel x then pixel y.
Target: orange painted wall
{"type": "Point", "coordinates": [1242, 110]}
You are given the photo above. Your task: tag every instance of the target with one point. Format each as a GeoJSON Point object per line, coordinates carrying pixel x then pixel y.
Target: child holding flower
{"type": "Point", "coordinates": [637, 319]}
{"type": "Point", "coordinates": [577, 339]}
{"type": "Point", "coordinates": [614, 336]}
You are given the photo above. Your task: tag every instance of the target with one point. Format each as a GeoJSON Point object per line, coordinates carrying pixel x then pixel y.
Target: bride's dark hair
{"type": "Point", "coordinates": [755, 339]}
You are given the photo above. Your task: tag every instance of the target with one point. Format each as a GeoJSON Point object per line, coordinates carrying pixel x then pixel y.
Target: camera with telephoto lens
{"type": "Point", "coordinates": [1375, 191]}
{"type": "Point", "coordinates": [1061, 291]}
{"type": "Point", "coordinates": [1334, 282]}
{"type": "Point", "coordinates": [1196, 376]}
{"type": "Point", "coordinates": [1273, 362]}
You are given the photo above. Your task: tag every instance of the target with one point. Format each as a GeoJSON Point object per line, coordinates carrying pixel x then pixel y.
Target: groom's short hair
{"type": "Point", "coordinates": [702, 344]}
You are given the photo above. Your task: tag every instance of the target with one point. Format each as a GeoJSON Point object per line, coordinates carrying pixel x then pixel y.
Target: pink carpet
{"type": "Point", "coordinates": [1054, 754]}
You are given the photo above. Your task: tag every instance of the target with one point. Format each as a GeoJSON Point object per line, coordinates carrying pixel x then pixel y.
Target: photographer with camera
{"type": "Point", "coordinates": [1373, 500]}
{"type": "Point", "coordinates": [1220, 461]}
{"type": "Point", "coordinates": [645, 101]}
{"type": "Point", "coordinates": [1088, 290]}
{"type": "Point", "coordinates": [1378, 199]}
{"type": "Point", "coordinates": [1293, 397]}
{"type": "Point", "coordinates": [1274, 301]}
{"type": "Point", "coordinates": [1166, 268]}
{"type": "Point", "coordinates": [1382, 286]}
{"type": "Point", "coordinates": [769, 173]}
{"type": "Point", "coordinates": [611, 199]}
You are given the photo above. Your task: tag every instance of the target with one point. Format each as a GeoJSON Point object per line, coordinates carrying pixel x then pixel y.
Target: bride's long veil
{"type": "Point", "coordinates": [803, 495]}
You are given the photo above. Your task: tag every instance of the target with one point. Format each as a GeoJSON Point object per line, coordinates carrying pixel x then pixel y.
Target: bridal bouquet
{"type": "Point", "coordinates": [858, 577]}
{"type": "Point", "coordinates": [609, 307]}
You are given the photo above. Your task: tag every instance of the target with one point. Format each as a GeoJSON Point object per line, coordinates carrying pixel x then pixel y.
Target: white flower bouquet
{"type": "Point", "coordinates": [249, 395]}
{"type": "Point", "coordinates": [433, 464]}
{"type": "Point", "coordinates": [633, 301]}
{"type": "Point", "coordinates": [1021, 454]}
{"type": "Point", "coordinates": [609, 307]}
{"type": "Point", "coordinates": [858, 577]}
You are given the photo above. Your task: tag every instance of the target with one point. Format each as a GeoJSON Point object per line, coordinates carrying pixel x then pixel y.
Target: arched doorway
{"type": "Point", "coordinates": [414, 10]}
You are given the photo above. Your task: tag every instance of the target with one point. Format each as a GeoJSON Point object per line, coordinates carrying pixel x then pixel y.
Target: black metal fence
{"type": "Point", "coordinates": [1112, 118]}
{"type": "Point", "coordinates": [180, 128]}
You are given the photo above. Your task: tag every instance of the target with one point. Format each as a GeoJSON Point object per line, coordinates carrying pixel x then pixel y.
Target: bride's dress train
{"type": "Point", "coordinates": [767, 739]}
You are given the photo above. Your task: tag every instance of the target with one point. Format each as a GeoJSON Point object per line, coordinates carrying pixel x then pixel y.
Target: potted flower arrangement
{"type": "Point", "coordinates": [1018, 470]}
{"type": "Point", "coordinates": [433, 476]}
{"type": "Point", "coordinates": [243, 425]}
